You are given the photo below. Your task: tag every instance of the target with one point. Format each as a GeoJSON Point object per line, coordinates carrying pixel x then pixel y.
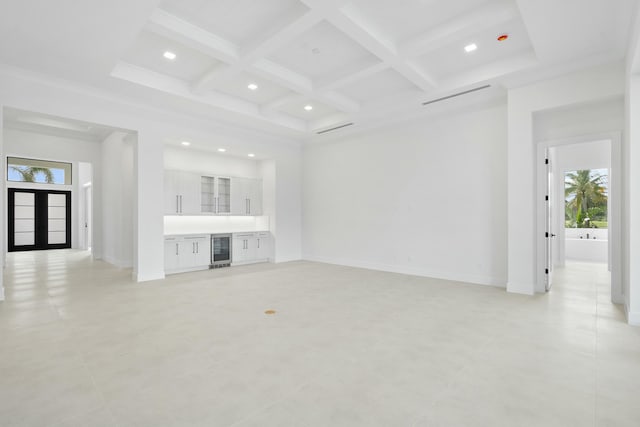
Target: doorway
{"type": "Point", "coordinates": [580, 208]}
{"type": "Point", "coordinates": [38, 219]}
{"type": "Point", "coordinates": [88, 216]}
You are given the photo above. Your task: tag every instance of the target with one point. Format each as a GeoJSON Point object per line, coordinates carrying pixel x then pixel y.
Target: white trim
{"type": "Point", "coordinates": [633, 317]}
{"type": "Point", "coordinates": [413, 271]}
{"type": "Point", "coordinates": [144, 278]}
{"type": "Point", "coordinates": [117, 262]}
{"type": "Point", "coordinates": [615, 214]}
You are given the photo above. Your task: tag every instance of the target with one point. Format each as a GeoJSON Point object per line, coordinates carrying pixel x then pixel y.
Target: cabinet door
{"type": "Point", "coordinates": [255, 197]}
{"type": "Point", "coordinates": [203, 251]}
{"type": "Point", "coordinates": [190, 184]}
{"type": "Point", "coordinates": [263, 246]}
{"type": "Point", "coordinates": [171, 254]}
{"type": "Point", "coordinates": [239, 250]}
{"type": "Point", "coordinates": [186, 254]}
{"type": "Point", "coordinates": [223, 194]}
{"type": "Point", "coordinates": [207, 194]}
{"type": "Point", "coordinates": [238, 196]}
{"type": "Point", "coordinates": [171, 196]}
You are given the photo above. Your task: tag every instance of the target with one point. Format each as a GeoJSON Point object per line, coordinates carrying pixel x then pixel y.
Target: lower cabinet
{"type": "Point", "coordinates": [187, 253]}
{"type": "Point", "coordinates": [251, 247]}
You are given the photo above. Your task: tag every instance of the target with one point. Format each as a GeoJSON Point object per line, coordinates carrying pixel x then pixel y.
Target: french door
{"type": "Point", "coordinates": [39, 219]}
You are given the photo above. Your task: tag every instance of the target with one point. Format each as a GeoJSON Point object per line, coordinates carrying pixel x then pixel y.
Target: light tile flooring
{"type": "Point", "coordinates": [81, 345]}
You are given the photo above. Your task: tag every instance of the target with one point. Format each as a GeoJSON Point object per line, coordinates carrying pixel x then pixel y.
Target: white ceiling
{"type": "Point", "coordinates": [360, 61]}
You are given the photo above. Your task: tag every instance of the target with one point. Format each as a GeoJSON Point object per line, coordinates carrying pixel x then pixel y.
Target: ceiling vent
{"type": "Point", "coordinates": [334, 128]}
{"type": "Point", "coordinates": [456, 94]}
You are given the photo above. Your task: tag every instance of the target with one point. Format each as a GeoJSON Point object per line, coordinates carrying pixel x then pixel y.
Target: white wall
{"type": "Point", "coordinates": [40, 146]}
{"type": "Point", "coordinates": [188, 159]}
{"type": "Point", "coordinates": [423, 197]}
{"type": "Point", "coordinates": [599, 84]}
{"type": "Point", "coordinates": [570, 121]}
{"type": "Point", "coordinates": [85, 177]}
{"type": "Point", "coordinates": [631, 154]}
{"type": "Point", "coordinates": [117, 203]}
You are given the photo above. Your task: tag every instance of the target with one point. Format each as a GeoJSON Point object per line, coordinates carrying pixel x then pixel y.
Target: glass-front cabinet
{"type": "Point", "coordinates": [215, 195]}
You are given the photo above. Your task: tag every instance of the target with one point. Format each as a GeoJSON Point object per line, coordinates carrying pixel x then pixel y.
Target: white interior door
{"type": "Point", "coordinates": [549, 234]}
{"type": "Point", "coordinates": [88, 217]}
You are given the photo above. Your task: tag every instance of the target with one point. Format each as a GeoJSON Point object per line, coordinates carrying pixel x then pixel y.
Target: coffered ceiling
{"type": "Point", "coordinates": [300, 67]}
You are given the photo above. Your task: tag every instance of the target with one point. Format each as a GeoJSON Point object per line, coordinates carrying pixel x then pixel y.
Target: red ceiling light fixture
{"type": "Point", "coordinates": [503, 37]}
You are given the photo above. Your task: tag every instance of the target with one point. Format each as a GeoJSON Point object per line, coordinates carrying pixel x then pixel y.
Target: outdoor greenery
{"type": "Point", "coordinates": [31, 173]}
{"type": "Point", "coordinates": [586, 199]}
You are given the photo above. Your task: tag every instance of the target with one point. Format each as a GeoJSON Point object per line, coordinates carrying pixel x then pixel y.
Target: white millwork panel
{"type": "Point", "coordinates": [25, 217]}
{"type": "Point", "coordinates": [57, 219]}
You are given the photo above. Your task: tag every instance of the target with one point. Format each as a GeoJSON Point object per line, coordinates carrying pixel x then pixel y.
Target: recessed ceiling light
{"type": "Point", "coordinates": [308, 107]}
{"type": "Point", "coordinates": [470, 47]}
{"type": "Point", "coordinates": [222, 150]}
{"type": "Point", "coordinates": [169, 55]}
{"type": "Point", "coordinates": [252, 86]}
{"type": "Point", "coordinates": [185, 143]}
{"type": "Point", "coordinates": [251, 155]}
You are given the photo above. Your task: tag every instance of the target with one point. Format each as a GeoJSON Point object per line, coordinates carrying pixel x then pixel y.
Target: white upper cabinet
{"type": "Point", "coordinates": [181, 193]}
{"type": "Point", "coordinates": [187, 193]}
{"type": "Point", "coordinates": [246, 196]}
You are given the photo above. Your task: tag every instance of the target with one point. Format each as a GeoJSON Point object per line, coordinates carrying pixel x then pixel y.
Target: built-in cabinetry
{"type": "Point", "coordinates": [187, 253]}
{"type": "Point", "coordinates": [215, 195]}
{"type": "Point", "coordinates": [246, 196]}
{"type": "Point", "coordinates": [251, 247]}
{"type": "Point", "coordinates": [181, 192]}
{"type": "Point", "coordinates": [189, 193]}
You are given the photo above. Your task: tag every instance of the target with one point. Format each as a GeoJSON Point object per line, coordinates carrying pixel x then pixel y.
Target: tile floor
{"type": "Point", "coordinates": [81, 345]}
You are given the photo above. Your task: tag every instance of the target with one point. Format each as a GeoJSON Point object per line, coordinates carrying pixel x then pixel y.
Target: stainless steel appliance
{"type": "Point", "coordinates": [220, 250]}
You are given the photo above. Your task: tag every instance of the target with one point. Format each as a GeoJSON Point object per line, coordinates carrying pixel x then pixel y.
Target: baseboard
{"type": "Point", "coordinates": [633, 317]}
{"type": "Point", "coordinates": [519, 288]}
{"type": "Point", "coordinates": [147, 277]}
{"type": "Point", "coordinates": [117, 262]}
{"type": "Point", "coordinates": [412, 271]}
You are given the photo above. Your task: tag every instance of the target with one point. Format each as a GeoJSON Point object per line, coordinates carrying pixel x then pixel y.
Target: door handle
{"type": "Point", "coordinates": [180, 203]}
{"type": "Point", "coordinates": [258, 243]}
{"type": "Point", "coordinates": [177, 204]}
{"type": "Point", "coordinates": [177, 250]}
{"type": "Point", "coordinates": [249, 206]}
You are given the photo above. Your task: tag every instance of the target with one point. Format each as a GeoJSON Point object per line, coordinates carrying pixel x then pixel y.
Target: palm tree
{"type": "Point", "coordinates": [584, 190]}
{"type": "Point", "coordinates": [29, 173]}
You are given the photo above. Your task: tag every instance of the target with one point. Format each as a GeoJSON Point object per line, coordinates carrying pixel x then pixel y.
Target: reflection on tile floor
{"type": "Point", "coordinates": [82, 345]}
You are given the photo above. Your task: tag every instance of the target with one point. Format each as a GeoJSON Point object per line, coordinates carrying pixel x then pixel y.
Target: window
{"type": "Point", "coordinates": [38, 171]}
{"type": "Point", "coordinates": [586, 198]}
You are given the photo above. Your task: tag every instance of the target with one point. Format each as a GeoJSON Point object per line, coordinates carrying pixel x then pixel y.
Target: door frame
{"type": "Point", "coordinates": [41, 210]}
{"type": "Point", "coordinates": [614, 214]}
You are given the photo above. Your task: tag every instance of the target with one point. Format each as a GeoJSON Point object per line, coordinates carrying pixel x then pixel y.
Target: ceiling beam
{"type": "Point", "coordinates": [279, 37]}
{"type": "Point", "coordinates": [221, 101]}
{"type": "Point", "coordinates": [252, 59]}
{"type": "Point", "coordinates": [348, 19]}
{"type": "Point", "coordinates": [174, 28]}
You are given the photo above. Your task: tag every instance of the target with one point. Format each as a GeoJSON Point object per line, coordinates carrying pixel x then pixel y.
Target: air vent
{"type": "Point", "coordinates": [456, 94]}
{"type": "Point", "coordinates": [334, 128]}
